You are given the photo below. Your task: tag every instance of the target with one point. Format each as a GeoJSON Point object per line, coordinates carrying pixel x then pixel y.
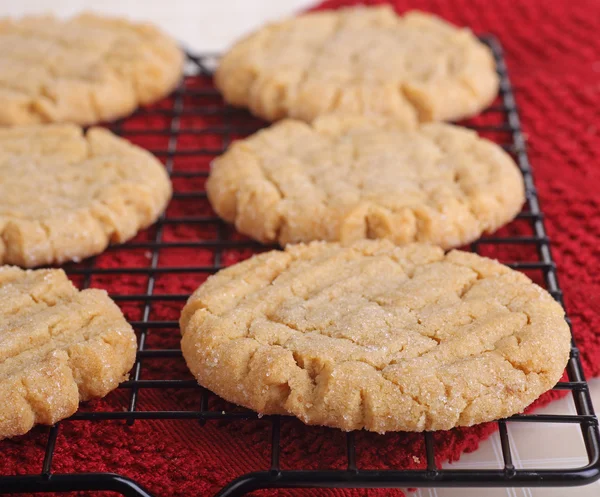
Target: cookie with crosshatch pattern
{"type": "Point", "coordinates": [375, 336]}
{"type": "Point", "coordinates": [84, 70]}
{"type": "Point", "coordinates": [362, 60]}
{"type": "Point", "coordinates": [58, 346]}
{"type": "Point", "coordinates": [65, 195]}
{"type": "Point", "coordinates": [343, 178]}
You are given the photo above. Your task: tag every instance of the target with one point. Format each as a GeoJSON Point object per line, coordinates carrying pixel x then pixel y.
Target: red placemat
{"type": "Point", "coordinates": [553, 54]}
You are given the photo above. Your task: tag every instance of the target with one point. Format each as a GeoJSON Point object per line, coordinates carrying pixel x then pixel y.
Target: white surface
{"type": "Point", "coordinates": [207, 25]}
{"type": "Point", "coordinates": [212, 25]}
{"type": "Point", "coordinates": [544, 446]}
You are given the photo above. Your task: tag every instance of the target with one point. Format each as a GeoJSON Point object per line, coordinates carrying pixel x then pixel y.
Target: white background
{"type": "Point", "coordinates": [212, 25]}
{"type": "Point", "coordinates": [208, 25]}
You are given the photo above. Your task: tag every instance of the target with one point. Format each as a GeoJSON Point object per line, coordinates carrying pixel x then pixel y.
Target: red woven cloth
{"type": "Point", "coordinates": [553, 54]}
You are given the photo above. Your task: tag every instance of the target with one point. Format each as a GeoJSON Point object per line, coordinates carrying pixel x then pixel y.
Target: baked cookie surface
{"type": "Point", "coordinates": [84, 70]}
{"type": "Point", "coordinates": [65, 195]}
{"type": "Point", "coordinates": [58, 346]}
{"type": "Point", "coordinates": [375, 336]}
{"type": "Point", "coordinates": [345, 178]}
{"type": "Point", "coordinates": [360, 60]}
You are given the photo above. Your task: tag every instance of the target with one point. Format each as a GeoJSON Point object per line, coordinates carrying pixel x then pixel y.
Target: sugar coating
{"type": "Point", "coordinates": [58, 346]}
{"type": "Point", "coordinates": [344, 178]}
{"type": "Point", "coordinates": [375, 336]}
{"type": "Point", "coordinates": [360, 60]}
{"type": "Point", "coordinates": [84, 70]}
{"type": "Point", "coordinates": [65, 195]}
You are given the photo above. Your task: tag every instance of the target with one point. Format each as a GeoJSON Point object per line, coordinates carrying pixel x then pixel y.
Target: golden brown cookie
{"type": "Point", "coordinates": [65, 195]}
{"type": "Point", "coordinates": [345, 178]}
{"type": "Point", "coordinates": [83, 70]}
{"type": "Point", "coordinates": [375, 336]}
{"type": "Point", "coordinates": [58, 346]}
{"type": "Point", "coordinates": [360, 60]}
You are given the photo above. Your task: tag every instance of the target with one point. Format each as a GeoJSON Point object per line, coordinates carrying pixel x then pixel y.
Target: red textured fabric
{"type": "Point", "coordinates": [553, 54]}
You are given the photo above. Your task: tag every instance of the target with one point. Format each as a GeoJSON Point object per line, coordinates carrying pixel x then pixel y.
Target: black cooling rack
{"type": "Point", "coordinates": [505, 129]}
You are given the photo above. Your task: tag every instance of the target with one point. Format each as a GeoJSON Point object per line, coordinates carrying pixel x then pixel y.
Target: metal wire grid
{"type": "Point", "coordinates": [275, 477]}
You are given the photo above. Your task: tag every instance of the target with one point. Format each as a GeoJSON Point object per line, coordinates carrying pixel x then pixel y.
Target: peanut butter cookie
{"type": "Point", "coordinates": [58, 346]}
{"type": "Point", "coordinates": [344, 178]}
{"type": "Point", "coordinates": [83, 70]}
{"type": "Point", "coordinates": [361, 60]}
{"type": "Point", "coordinates": [375, 336]}
{"type": "Point", "coordinates": [65, 195]}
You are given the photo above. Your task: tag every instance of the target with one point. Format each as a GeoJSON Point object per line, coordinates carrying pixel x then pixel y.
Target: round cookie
{"type": "Point", "coordinates": [65, 195]}
{"type": "Point", "coordinates": [58, 346]}
{"type": "Point", "coordinates": [360, 60]}
{"type": "Point", "coordinates": [375, 336]}
{"type": "Point", "coordinates": [345, 178]}
{"type": "Point", "coordinates": [83, 70]}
